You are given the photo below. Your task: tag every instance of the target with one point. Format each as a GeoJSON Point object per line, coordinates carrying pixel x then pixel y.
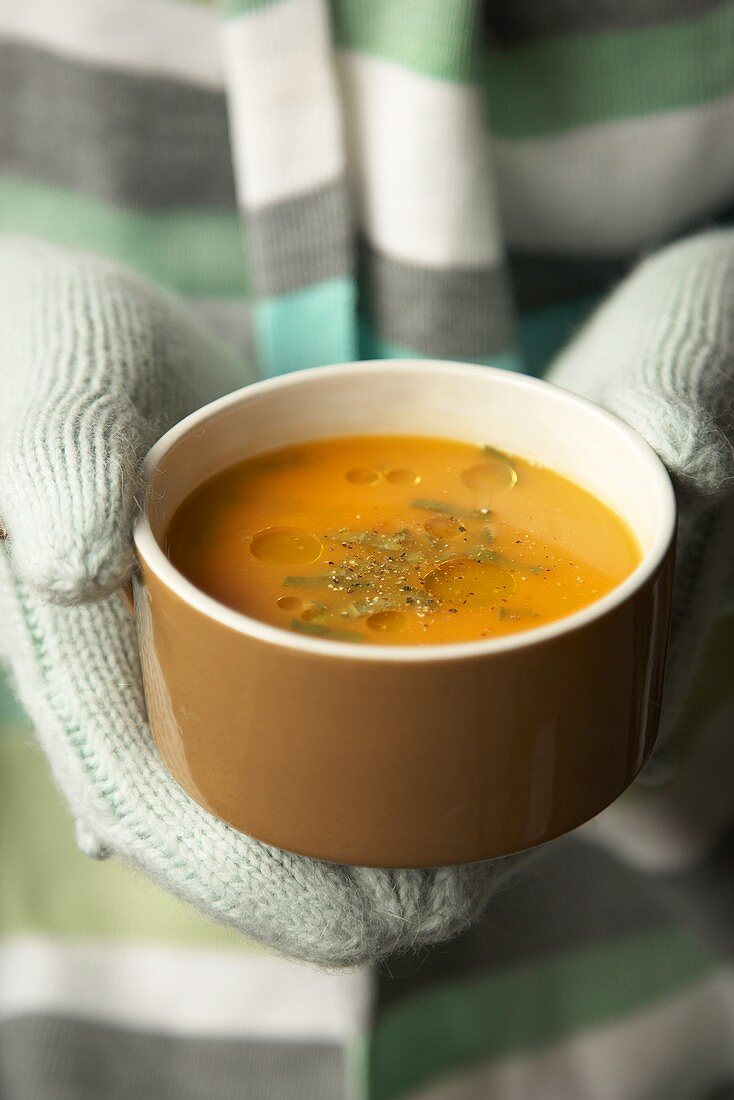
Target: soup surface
{"type": "Point", "coordinates": [399, 540]}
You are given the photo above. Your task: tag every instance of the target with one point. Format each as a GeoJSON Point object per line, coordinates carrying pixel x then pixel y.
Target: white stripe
{"type": "Point", "coordinates": [612, 188]}
{"type": "Point", "coordinates": [677, 1050]}
{"type": "Point", "coordinates": [418, 156]}
{"type": "Point", "coordinates": [188, 992]}
{"type": "Point", "coordinates": [173, 38]}
{"type": "Point", "coordinates": [283, 99]}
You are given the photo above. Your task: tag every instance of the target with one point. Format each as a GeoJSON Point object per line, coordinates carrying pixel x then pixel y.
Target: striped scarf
{"type": "Point", "coordinates": [413, 174]}
{"type": "Point", "coordinates": [375, 178]}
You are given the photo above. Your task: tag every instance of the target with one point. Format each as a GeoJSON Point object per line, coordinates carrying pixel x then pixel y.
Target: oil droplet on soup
{"type": "Point", "coordinates": [362, 475]}
{"type": "Point", "coordinates": [402, 477]}
{"type": "Point", "coordinates": [285, 546]}
{"type": "Point", "coordinates": [288, 603]}
{"type": "Point", "coordinates": [349, 549]}
{"type": "Point", "coordinates": [493, 475]}
{"type": "Point", "coordinates": [386, 622]}
{"type": "Point", "coordinates": [443, 527]}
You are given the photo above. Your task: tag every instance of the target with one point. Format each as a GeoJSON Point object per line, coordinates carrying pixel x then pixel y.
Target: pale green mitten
{"type": "Point", "coordinates": [96, 363]}
{"type": "Point", "coordinates": [660, 354]}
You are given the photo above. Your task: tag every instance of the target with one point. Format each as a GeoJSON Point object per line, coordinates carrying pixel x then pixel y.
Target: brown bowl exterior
{"type": "Point", "coordinates": [411, 763]}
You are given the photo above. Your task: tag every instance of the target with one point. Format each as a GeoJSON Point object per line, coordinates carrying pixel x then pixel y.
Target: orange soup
{"type": "Point", "coordinates": [399, 540]}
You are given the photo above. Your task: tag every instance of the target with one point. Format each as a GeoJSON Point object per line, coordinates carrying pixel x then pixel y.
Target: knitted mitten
{"type": "Point", "coordinates": [95, 365]}
{"type": "Point", "coordinates": [660, 354]}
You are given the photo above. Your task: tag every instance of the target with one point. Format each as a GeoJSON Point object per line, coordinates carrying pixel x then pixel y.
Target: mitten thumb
{"type": "Point", "coordinates": [96, 363]}
{"type": "Point", "coordinates": [660, 354]}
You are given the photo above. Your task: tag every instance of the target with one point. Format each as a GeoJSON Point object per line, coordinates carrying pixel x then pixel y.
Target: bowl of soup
{"type": "Point", "coordinates": [404, 613]}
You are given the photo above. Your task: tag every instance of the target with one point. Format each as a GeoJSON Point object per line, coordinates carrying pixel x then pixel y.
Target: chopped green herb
{"type": "Point", "coordinates": [376, 540]}
{"type": "Point", "coordinates": [499, 456]}
{"type": "Point", "coordinates": [454, 510]}
{"type": "Point", "coordinates": [375, 603]}
{"type": "Point", "coordinates": [422, 598]}
{"type": "Point", "coordinates": [492, 452]}
{"type": "Point", "coordinates": [491, 556]}
{"type": "Point", "coordinates": [310, 627]}
{"type": "Point", "coordinates": [356, 610]}
{"type": "Point", "coordinates": [314, 611]}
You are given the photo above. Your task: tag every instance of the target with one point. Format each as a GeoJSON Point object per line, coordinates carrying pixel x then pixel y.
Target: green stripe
{"type": "Point", "coordinates": [48, 887]}
{"type": "Point", "coordinates": [195, 252]}
{"type": "Point", "coordinates": [434, 37]}
{"type": "Point", "coordinates": [11, 713]}
{"type": "Point", "coordinates": [138, 139]}
{"type": "Point", "coordinates": [233, 8]}
{"type": "Point", "coordinates": [550, 86]}
{"type": "Point", "coordinates": [556, 84]}
{"type": "Point", "coordinates": [469, 1022]}
{"type": "Point", "coordinates": [306, 328]}
{"type": "Point", "coordinates": [373, 346]}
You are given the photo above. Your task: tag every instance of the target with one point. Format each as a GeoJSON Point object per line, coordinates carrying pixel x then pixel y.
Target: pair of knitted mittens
{"type": "Point", "coordinates": [95, 364]}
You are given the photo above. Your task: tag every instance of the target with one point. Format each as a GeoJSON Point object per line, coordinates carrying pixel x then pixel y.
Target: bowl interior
{"type": "Point", "coordinates": [476, 404]}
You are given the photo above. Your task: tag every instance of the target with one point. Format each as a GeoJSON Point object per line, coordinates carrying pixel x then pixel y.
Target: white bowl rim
{"type": "Point", "coordinates": [149, 549]}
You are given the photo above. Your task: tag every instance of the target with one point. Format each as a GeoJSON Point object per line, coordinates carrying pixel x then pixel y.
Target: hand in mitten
{"type": "Point", "coordinates": [660, 354]}
{"type": "Point", "coordinates": [96, 363]}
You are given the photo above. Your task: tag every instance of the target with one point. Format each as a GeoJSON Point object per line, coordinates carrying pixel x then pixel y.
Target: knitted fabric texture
{"type": "Point", "coordinates": [659, 353]}
{"type": "Point", "coordinates": [97, 363]}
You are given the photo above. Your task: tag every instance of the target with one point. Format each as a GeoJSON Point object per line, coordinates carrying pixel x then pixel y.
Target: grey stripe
{"type": "Point", "coordinates": [452, 312]}
{"type": "Point", "coordinates": [125, 138]}
{"type": "Point", "coordinates": [516, 21]}
{"type": "Point", "coordinates": [723, 1091]}
{"type": "Point", "coordinates": [300, 241]}
{"type": "Point", "coordinates": [540, 281]}
{"type": "Point", "coordinates": [575, 896]}
{"type": "Point", "coordinates": [572, 897]}
{"type": "Point", "coordinates": [231, 321]}
{"type": "Point", "coordinates": [46, 1057]}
